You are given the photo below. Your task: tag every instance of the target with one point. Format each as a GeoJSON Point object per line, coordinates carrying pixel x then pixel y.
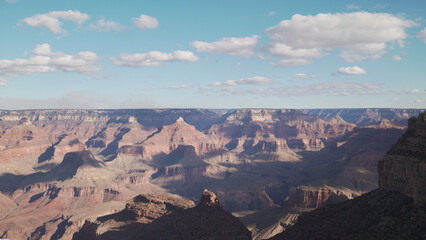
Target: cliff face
{"type": "Point", "coordinates": [315, 197]}
{"type": "Point", "coordinates": [403, 169]}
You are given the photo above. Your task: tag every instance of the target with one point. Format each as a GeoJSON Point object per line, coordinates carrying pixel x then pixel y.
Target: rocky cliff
{"type": "Point", "coordinates": [403, 169]}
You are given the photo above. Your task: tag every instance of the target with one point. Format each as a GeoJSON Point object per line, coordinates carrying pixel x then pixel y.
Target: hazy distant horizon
{"type": "Point", "coordinates": [210, 109]}
{"type": "Point", "coordinates": [221, 54]}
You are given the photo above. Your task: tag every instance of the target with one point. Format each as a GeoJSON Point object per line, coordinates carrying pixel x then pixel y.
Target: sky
{"type": "Point", "coordinates": [212, 54]}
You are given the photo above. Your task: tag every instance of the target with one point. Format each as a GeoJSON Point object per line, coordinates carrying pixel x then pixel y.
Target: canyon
{"type": "Point", "coordinates": [396, 210]}
{"type": "Point", "coordinates": [62, 170]}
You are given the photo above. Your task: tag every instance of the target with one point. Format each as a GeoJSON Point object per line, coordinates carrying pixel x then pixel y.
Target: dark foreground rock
{"type": "Point", "coordinates": [207, 220]}
{"type": "Point", "coordinates": [374, 215]}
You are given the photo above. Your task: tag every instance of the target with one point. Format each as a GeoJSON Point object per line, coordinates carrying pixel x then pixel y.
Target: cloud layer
{"type": "Point", "coordinates": [232, 46]}
{"type": "Point", "coordinates": [51, 20]}
{"type": "Point", "coordinates": [153, 58]}
{"type": "Point", "coordinates": [324, 88]}
{"type": "Point", "coordinates": [44, 60]}
{"type": "Point", "coordinates": [307, 37]}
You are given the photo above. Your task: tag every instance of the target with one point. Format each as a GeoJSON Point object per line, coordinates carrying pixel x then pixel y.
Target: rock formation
{"type": "Point", "coordinates": [61, 167]}
{"type": "Point", "coordinates": [316, 197]}
{"type": "Point", "coordinates": [403, 169]}
{"type": "Point", "coordinates": [396, 210]}
{"type": "Point", "coordinates": [207, 220]}
{"type": "Point", "coordinates": [368, 116]}
{"type": "Point", "coordinates": [169, 137]}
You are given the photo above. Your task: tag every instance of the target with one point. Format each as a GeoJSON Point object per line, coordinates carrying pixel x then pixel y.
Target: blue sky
{"type": "Point", "coordinates": [212, 54]}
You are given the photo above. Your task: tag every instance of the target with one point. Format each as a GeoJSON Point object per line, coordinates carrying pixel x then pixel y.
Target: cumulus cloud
{"type": "Point", "coordinates": [51, 20]}
{"type": "Point", "coordinates": [354, 70]}
{"type": "Point", "coordinates": [324, 88]}
{"type": "Point", "coordinates": [44, 60]}
{"type": "Point", "coordinates": [145, 22]}
{"type": "Point", "coordinates": [396, 58]}
{"type": "Point", "coordinates": [244, 46]}
{"type": "Point", "coordinates": [256, 80]}
{"type": "Point", "coordinates": [285, 51]}
{"type": "Point", "coordinates": [358, 35]}
{"type": "Point", "coordinates": [304, 76]}
{"type": "Point", "coordinates": [153, 58]}
{"type": "Point", "coordinates": [106, 26]}
{"type": "Point", "coordinates": [422, 35]}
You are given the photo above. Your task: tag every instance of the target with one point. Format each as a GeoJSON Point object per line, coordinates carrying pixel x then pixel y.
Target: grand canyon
{"type": "Point", "coordinates": [108, 174]}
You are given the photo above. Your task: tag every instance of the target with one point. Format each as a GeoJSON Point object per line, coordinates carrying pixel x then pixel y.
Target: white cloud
{"type": "Point", "coordinates": [359, 35]}
{"type": "Point", "coordinates": [304, 76]}
{"type": "Point", "coordinates": [42, 49]}
{"type": "Point", "coordinates": [244, 46]}
{"type": "Point", "coordinates": [293, 62]}
{"type": "Point", "coordinates": [415, 91]}
{"type": "Point", "coordinates": [354, 70]}
{"type": "Point", "coordinates": [51, 20]}
{"type": "Point", "coordinates": [352, 6]}
{"type": "Point", "coordinates": [257, 80]}
{"type": "Point", "coordinates": [285, 51]}
{"type": "Point", "coordinates": [180, 87]}
{"type": "Point", "coordinates": [153, 58]}
{"type": "Point", "coordinates": [44, 60]}
{"type": "Point", "coordinates": [422, 35]}
{"type": "Point", "coordinates": [396, 58]}
{"type": "Point", "coordinates": [11, 1]}
{"type": "Point", "coordinates": [145, 22]}
{"type": "Point", "coordinates": [106, 26]}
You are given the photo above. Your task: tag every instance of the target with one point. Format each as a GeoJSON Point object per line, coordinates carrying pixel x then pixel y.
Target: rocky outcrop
{"type": "Point", "coordinates": [316, 197]}
{"type": "Point", "coordinates": [143, 208]}
{"type": "Point", "coordinates": [403, 169]}
{"type": "Point", "coordinates": [169, 137]}
{"type": "Point", "coordinates": [207, 220]}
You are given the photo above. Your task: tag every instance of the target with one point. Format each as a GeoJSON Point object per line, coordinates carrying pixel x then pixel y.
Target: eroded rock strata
{"type": "Point", "coordinates": [396, 210]}
{"type": "Point", "coordinates": [61, 167]}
